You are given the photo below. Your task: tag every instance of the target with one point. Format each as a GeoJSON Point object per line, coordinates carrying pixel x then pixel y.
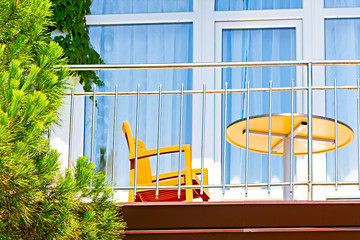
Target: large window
{"type": "Point", "coordinates": [242, 45]}
{"type": "Point", "coordinates": [151, 43]}
{"type": "Point", "coordinates": [342, 42]}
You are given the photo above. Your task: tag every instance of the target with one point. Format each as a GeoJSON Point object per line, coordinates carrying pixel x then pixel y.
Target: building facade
{"type": "Point", "coordinates": [199, 31]}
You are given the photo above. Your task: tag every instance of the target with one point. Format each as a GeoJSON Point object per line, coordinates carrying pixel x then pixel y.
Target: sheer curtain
{"type": "Point", "coordinates": [140, 6]}
{"type": "Point", "coordinates": [342, 42]}
{"type": "Point", "coordinates": [226, 5]}
{"type": "Point", "coordinates": [153, 43]}
{"type": "Point", "coordinates": [256, 45]}
{"type": "Point", "coordinates": [341, 3]}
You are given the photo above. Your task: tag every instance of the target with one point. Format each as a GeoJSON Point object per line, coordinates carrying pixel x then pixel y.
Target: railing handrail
{"type": "Point", "coordinates": [193, 65]}
{"type": "Point", "coordinates": [215, 91]}
{"type": "Point", "coordinates": [250, 185]}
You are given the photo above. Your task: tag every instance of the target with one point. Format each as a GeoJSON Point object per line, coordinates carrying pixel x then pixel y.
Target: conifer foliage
{"type": "Point", "coordinates": [37, 200]}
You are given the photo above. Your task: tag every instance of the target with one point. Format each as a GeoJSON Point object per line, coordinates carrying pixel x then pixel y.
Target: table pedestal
{"type": "Point", "coordinates": [286, 168]}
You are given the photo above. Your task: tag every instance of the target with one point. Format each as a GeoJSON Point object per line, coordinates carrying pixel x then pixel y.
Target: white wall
{"type": "Point", "coordinates": [59, 136]}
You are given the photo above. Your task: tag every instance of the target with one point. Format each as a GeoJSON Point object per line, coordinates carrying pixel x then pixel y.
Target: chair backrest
{"type": "Point", "coordinates": [129, 137]}
{"type": "Point", "coordinates": [143, 164]}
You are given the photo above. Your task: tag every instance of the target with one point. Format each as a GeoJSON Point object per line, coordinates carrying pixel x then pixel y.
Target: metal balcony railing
{"type": "Point", "coordinates": [309, 89]}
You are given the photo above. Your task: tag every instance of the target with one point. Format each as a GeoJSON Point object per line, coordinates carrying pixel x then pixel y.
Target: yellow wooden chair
{"type": "Point", "coordinates": [144, 178]}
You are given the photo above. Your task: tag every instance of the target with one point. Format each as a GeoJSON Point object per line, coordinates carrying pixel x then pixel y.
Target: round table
{"type": "Point", "coordinates": [323, 136]}
{"type": "Point", "coordinates": [323, 133]}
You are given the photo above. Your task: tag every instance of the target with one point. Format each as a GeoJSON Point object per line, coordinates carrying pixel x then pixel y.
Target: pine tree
{"type": "Point", "coordinates": [37, 200]}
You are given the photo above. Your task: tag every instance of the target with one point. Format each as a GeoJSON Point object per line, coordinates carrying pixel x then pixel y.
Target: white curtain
{"type": "Point", "coordinates": [342, 42]}
{"type": "Point", "coordinates": [256, 45]}
{"type": "Point", "coordinates": [140, 6]}
{"type": "Point", "coordinates": [226, 5]}
{"type": "Point", "coordinates": [153, 43]}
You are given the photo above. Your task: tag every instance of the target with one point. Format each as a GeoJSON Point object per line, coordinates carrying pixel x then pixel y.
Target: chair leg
{"type": "Point", "coordinates": [205, 199]}
{"type": "Point", "coordinates": [188, 175]}
{"type": "Point", "coordinates": [205, 175]}
{"type": "Point", "coordinates": [131, 196]}
{"type": "Point", "coordinates": [189, 195]}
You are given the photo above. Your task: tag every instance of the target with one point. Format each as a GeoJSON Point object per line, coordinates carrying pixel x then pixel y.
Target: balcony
{"type": "Point", "coordinates": [311, 178]}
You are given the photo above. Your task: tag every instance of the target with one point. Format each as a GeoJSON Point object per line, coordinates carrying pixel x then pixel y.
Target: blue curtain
{"type": "Point", "coordinates": [140, 6]}
{"type": "Point", "coordinates": [341, 3]}
{"type": "Point", "coordinates": [256, 45]}
{"type": "Point", "coordinates": [342, 42]}
{"type": "Point", "coordinates": [226, 5]}
{"type": "Point", "coordinates": [155, 43]}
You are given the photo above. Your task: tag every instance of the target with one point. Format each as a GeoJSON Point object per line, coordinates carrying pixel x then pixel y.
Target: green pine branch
{"type": "Point", "coordinates": [37, 199]}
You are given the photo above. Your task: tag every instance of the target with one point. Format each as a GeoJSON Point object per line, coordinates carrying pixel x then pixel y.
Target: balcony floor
{"type": "Point", "coordinates": [243, 220]}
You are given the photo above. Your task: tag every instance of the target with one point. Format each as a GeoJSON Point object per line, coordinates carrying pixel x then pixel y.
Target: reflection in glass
{"type": "Point", "coordinates": [256, 45]}
{"type": "Point", "coordinates": [341, 3]}
{"type": "Point", "coordinates": [140, 6]}
{"type": "Point", "coordinates": [228, 5]}
{"type": "Point", "coordinates": [342, 42]}
{"type": "Point", "coordinates": [153, 43]}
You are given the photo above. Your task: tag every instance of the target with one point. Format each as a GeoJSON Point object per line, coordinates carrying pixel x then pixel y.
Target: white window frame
{"type": "Point", "coordinates": [276, 24]}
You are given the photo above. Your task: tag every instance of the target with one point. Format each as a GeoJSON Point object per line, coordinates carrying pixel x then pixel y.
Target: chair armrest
{"type": "Point", "coordinates": [198, 170]}
{"type": "Point", "coordinates": [205, 174]}
{"type": "Point", "coordinates": [164, 150]}
{"type": "Point", "coordinates": [173, 149]}
{"type": "Point", "coordinates": [164, 176]}
{"type": "Point", "coordinates": [175, 174]}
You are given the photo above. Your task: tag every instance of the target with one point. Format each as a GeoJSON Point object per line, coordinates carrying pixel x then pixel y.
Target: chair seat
{"type": "Point", "coordinates": [169, 195]}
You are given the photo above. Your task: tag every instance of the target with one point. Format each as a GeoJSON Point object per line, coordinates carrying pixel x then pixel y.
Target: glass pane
{"type": "Point", "coordinates": [342, 42]}
{"type": "Point", "coordinates": [228, 5]}
{"type": "Point", "coordinates": [140, 6]}
{"type": "Point", "coordinates": [155, 43]}
{"type": "Point", "coordinates": [341, 3]}
{"type": "Point", "coordinates": [256, 45]}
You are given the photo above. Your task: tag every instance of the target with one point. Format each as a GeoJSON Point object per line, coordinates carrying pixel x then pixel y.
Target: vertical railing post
{"type": "Point", "coordinates": [48, 134]}
{"type": "Point", "coordinates": [358, 128]}
{"type": "Point", "coordinates": [224, 140]}
{"type": "Point", "coordinates": [180, 138]}
{"type": "Point", "coordinates": [336, 137]}
{"type": "Point", "coordinates": [93, 130]}
{"type": "Point", "coordinates": [269, 138]}
{"type": "Point", "coordinates": [247, 138]}
{"type": "Point", "coordinates": [136, 137]}
{"type": "Point", "coordinates": [292, 138]}
{"type": "Point", "coordinates": [310, 112]}
{"type": "Point", "coordinates": [203, 139]}
{"type": "Point", "coordinates": [114, 139]}
{"type": "Point", "coordinates": [71, 127]}
{"type": "Point", "coordinates": [158, 145]}
{"type": "Point", "coordinates": [93, 125]}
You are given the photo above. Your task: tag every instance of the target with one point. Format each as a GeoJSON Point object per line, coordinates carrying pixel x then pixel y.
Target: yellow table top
{"type": "Point", "coordinates": [323, 133]}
